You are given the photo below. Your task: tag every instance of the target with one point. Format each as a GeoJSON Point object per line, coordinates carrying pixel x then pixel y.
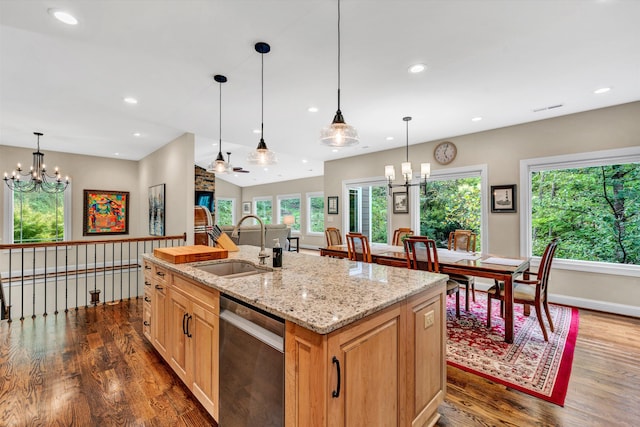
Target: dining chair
{"type": "Point", "coordinates": [358, 247]}
{"type": "Point", "coordinates": [333, 236]}
{"type": "Point", "coordinates": [527, 291]}
{"type": "Point", "coordinates": [465, 241]}
{"type": "Point", "coordinates": [422, 254]}
{"type": "Point", "coordinates": [399, 233]}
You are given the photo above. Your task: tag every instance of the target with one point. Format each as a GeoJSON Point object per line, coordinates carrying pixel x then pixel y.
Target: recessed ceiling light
{"type": "Point", "coordinates": [417, 68]}
{"type": "Point", "coordinates": [304, 160]}
{"type": "Point", "coordinates": [116, 154]}
{"type": "Point", "coordinates": [63, 16]}
{"type": "Point", "coordinates": [335, 150]}
{"type": "Point", "coordinates": [389, 138]}
{"type": "Point", "coordinates": [256, 131]}
{"type": "Point", "coordinates": [137, 134]}
{"type": "Point", "coordinates": [266, 169]}
{"type": "Point", "coordinates": [476, 119]}
{"type": "Point", "coordinates": [312, 109]}
{"type": "Point", "coordinates": [130, 100]}
{"type": "Point", "coordinates": [602, 90]}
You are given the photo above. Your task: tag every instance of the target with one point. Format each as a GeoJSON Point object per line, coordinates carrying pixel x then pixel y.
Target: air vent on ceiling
{"type": "Point", "coordinates": [550, 107]}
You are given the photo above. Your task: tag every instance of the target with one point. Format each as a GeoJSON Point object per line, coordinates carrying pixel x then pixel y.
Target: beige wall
{"type": "Point", "coordinates": [501, 150]}
{"type": "Point", "coordinates": [231, 191]}
{"type": "Point", "coordinates": [85, 173]}
{"type": "Point", "coordinates": [171, 165]}
{"type": "Point", "coordinates": [298, 186]}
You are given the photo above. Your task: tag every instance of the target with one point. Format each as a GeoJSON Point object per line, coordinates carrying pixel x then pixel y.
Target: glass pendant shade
{"type": "Point", "coordinates": [338, 133]}
{"type": "Point", "coordinates": [407, 173]}
{"type": "Point", "coordinates": [262, 155]}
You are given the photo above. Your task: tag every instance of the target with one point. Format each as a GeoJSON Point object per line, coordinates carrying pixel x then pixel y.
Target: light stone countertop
{"type": "Point", "coordinates": [321, 294]}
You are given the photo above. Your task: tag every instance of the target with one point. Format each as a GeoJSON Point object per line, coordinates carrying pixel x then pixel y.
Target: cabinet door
{"type": "Point", "coordinates": [427, 354]}
{"type": "Point", "coordinates": [203, 328]}
{"type": "Point", "coordinates": [176, 325]}
{"type": "Point", "coordinates": [158, 318]}
{"type": "Point", "coordinates": [371, 372]}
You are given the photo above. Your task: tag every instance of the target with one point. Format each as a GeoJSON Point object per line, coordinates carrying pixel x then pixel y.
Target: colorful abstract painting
{"type": "Point", "coordinates": [105, 212]}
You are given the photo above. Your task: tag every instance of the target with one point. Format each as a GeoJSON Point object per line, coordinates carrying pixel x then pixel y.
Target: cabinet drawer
{"type": "Point", "coordinates": [146, 321]}
{"type": "Point", "coordinates": [205, 296]}
{"type": "Point", "coordinates": [148, 296]}
{"type": "Point", "coordinates": [160, 275]}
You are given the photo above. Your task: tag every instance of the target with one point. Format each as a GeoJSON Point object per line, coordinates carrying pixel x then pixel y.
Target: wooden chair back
{"type": "Point", "coordinates": [462, 240]}
{"type": "Point", "coordinates": [421, 252]}
{"type": "Point", "coordinates": [399, 234]}
{"type": "Point", "coordinates": [333, 236]}
{"type": "Point", "coordinates": [545, 268]}
{"type": "Point", "coordinates": [358, 247]}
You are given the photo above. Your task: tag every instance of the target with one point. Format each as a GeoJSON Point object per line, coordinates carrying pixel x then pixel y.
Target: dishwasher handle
{"type": "Point", "coordinates": [264, 335]}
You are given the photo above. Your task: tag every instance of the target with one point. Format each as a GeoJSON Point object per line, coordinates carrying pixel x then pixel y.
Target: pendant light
{"type": "Point", "coordinates": [219, 165]}
{"type": "Point", "coordinates": [339, 133]}
{"type": "Point", "coordinates": [407, 172]}
{"type": "Point", "coordinates": [262, 155]}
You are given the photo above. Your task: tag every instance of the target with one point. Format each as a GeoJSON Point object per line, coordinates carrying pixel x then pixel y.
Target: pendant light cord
{"type": "Point", "coordinates": [407, 121]}
{"type": "Point", "coordinates": [338, 55]}
{"type": "Point", "coordinates": [220, 117]}
{"type": "Point", "coordinates": [262, 96]}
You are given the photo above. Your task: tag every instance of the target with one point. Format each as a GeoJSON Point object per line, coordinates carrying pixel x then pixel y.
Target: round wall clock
{"type": "Point", "coordinates": [445, 152]}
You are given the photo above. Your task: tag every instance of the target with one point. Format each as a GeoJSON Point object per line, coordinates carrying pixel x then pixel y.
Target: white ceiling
{"type": "Point", "coordinates": [496, 59]}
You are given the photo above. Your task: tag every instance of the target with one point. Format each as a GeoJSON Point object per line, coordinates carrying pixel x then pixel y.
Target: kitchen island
{"type": "Point", "coordinates": [364, 343]}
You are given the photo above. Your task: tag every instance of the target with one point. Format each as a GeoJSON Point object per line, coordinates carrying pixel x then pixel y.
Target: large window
{"type": "Point", "coordinates": [451, 203]}
{"type": "Point", "coordinates": [315, 213]}
{"type": "Point", "coordinates": [289, 205]}
{"type": "Point", "coordinates": [590, 202]}
{"type": "Point", "coordinates": [38, 217]}
{"type": "Point", "coordinates": [225, 211]}
{"type": "Point", "coordinates": [263, 207]}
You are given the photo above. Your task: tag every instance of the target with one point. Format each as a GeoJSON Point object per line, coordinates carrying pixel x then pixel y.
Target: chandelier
{"type": "Point", "coordinates": [37, 179]}
{"type": "Point", "coordinates": [407, 172]}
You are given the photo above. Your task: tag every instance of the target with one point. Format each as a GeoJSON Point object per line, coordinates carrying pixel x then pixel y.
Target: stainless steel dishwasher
{"type": "Point", "coordinates": [251, 366]}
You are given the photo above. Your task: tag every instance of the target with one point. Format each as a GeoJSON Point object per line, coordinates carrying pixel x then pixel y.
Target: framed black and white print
{"type": "Point", "coordinates": [400, 202]}
{"type": "Point", "coordinates": [503, 198]}
{"type": "Point", "coordinates": [332, 205]}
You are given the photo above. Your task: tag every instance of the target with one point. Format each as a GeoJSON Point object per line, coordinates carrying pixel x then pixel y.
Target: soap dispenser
{"type": "Point", "coordinates": [277, 253]}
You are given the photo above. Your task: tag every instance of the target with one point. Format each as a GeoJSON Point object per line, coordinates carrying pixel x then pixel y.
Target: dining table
{"type": "Point", "coordinates": [476, 264]}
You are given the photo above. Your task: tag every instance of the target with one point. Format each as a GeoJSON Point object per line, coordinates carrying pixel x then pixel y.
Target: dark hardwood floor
{"type": "Point", "coordinates": [93, 367]}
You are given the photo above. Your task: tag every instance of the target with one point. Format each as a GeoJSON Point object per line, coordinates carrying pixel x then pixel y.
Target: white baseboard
{"type": "Point", "coordinates": [589, 304]}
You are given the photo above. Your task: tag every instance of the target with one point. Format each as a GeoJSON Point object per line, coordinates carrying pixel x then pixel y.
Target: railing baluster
{"type": "Point", "coordinates": [66, 282]}
{"type": "Point", "coordinates": [22, 285]}
{"type": "Point", "coordinates": [76, 277]}
{"type": "Point", "coordinates": [55, 269]}
{"type": "Point", "coordinates": [10, 282]}
{"type": "Point", "coordinates": [45, 281]}
{"type": "Point", "coordinates": [33, 272]}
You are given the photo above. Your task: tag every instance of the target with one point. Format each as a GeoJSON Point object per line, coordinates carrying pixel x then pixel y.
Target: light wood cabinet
{"type": "Point", "coordinates": [193, 327]}
{"type": "Point", "coordinates": [387, 369]}
{"type": "Point", "coordinates": [160, 280]}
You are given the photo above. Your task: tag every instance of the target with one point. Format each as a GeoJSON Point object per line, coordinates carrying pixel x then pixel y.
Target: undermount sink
{"type": "Point", "coordinates": [233, 268]}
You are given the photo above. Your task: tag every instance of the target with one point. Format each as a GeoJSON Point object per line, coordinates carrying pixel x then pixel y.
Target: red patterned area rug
{"type": "Point", "coordinates": [530, 364]}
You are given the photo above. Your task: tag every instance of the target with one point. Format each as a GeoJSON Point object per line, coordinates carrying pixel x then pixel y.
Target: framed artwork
{"type": "Point", "coordinates": [105, 212]}
{"type": "Point", "coordinates": [503, 198]}
{"type": "Point", "coordinates": [332, 205]}
{"type": "Point", "coordinates": [400, 202]}
{"type": "Point", "coordinates": [156, 210]}
{"type": "Point", "coordinates": [246, 208]}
